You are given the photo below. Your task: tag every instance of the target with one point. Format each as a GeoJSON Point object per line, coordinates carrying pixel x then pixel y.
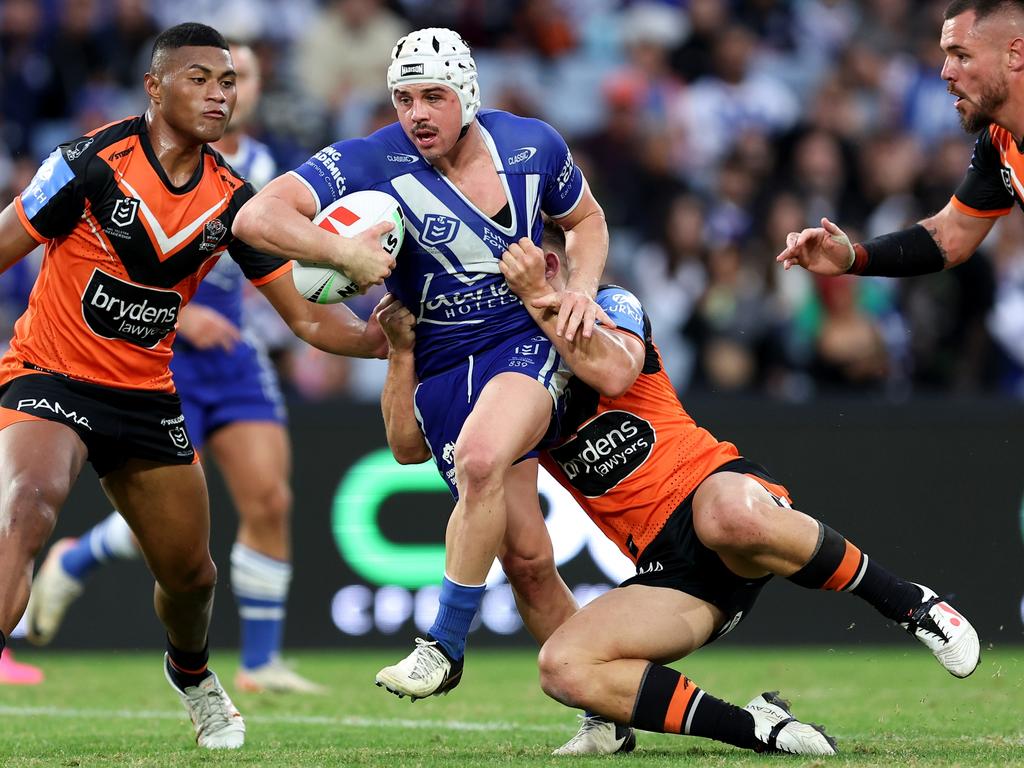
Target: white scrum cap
{"type": "Point", "coordinates": [440, 56]}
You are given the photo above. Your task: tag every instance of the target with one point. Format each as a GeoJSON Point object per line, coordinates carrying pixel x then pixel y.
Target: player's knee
{"type": "Point", "coordinates": [29, 511]}
{"type": "Point", "coordinates": [562, 675]}
{"type": "Point", "coordinates": [269, 508]}
{"type": "Point", "coordinates": [478, 468]}
{"type": "Point", "coordinates": [195, 578]}
{"type": "Point", "coordinates": [732, 523]}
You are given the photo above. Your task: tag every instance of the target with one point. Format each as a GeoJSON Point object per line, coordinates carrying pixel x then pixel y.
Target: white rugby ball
{"type": "Point", "coordinates": [348, 216]}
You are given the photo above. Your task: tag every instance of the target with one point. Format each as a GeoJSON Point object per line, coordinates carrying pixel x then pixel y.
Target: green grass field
{"type": "Point", "coordinates": [887, 707]}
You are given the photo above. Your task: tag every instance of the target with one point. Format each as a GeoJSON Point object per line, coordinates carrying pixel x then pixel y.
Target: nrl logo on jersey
{"type": "Point", "coordinates": [124, 211]}
{"type": "Point", "coordinates": [213, 233]}
{"type": "Point", "coordinates": [1007, 179]}
{"type": "Point", "coordinates": [438, 229]}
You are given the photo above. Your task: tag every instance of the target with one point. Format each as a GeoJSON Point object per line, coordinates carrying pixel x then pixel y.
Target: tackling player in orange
{"type": "Point", "coordinates": [706, 528]}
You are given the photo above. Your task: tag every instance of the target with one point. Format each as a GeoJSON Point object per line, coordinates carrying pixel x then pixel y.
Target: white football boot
{"type": "Point", "coordinates": [777, 729]}
{"type": "Point", "coordinates": [946, 633]}
{"type": "Point", "coordinates": [217, 722]}
{"type": "Point", "coordinates": [598, 736]}
{"type": "Point", "coordinates": [275, 677]}
{"type": "Point", "coordinates": [427, 671]}
{"type": "Point", "coordinates": [53, 590]}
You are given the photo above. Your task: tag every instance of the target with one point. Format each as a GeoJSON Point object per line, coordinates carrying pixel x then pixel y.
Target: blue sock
{"type": "Point", "coordinates": [109, 539]}
{"type": "Point", "coordinates": [260, 584]}
{"type": "Point", "coordinates": [458, 606]}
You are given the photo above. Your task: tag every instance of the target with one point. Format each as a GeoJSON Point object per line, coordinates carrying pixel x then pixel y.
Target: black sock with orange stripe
{"type": "Point", "coordinates": [668, 702]}
{"type": "Point", "coordinates": [187, 668]}
{"type": "Point", "coordinates": [838, 565]}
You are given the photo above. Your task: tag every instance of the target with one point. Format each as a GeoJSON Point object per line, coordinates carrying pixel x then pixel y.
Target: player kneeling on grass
{"type": "Point", "coordinates": [706, 528]}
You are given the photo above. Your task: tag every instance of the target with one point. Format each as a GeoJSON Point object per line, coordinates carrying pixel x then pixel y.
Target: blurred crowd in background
{"type": "Point", "coordinates": [708, 129]}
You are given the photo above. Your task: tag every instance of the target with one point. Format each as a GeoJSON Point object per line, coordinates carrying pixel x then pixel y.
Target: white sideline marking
{"type": "Point", "coordinates": [350, 721]}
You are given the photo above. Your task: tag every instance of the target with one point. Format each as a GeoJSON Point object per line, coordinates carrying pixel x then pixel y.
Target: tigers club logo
{"type": "Point", "coordinates": [1007, 179]}
{"type": "Point", "coordinates": [213, 233]}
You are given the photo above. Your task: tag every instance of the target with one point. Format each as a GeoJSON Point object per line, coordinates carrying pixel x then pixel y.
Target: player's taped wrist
{"type": "Point", "coordinates": [908, 252]}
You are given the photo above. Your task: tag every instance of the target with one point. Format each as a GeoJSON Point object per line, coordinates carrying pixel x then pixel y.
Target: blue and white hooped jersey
{"type": "Point", "coordinates": [447, 271]}
{"type": "Point", "coordinates": [221, 289]}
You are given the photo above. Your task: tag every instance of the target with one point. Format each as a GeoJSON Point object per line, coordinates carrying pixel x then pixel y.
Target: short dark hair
{"type": "Point", "coordinates": [553, 239]}
{"type": "Point", "coordinates": [982, 8]}
{"type": "Point", "coordinates": [182, 35]}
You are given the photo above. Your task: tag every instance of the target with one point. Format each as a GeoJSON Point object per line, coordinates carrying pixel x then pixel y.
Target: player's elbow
{"type": "Point", "coordinates": [247, 225]}
{"type": "Point", "coordinates": [615, 380]}
{"type": "Point", "coordinates": [410, 453]}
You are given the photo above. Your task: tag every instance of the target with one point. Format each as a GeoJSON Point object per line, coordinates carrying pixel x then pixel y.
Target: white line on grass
{"type": "Point", "coordinates": [350, 721]}
{"type": "Point", "coordinates": [452, 725]}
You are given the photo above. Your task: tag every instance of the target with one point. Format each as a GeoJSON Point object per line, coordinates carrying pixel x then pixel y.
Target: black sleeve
{"type": "Point", "coordinates": [255, 264]}
{"type": "Point", "coordinates": [54, 200]}
{"type": "Point", "coordinates": [987, 185]}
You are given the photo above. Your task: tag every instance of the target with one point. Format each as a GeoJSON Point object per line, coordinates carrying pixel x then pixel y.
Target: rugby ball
{"type": "Point", "coordinates": [348, 217]}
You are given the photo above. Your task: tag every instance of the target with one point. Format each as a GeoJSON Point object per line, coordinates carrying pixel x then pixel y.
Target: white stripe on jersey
{"type": "Point", "coordinates": [466, 249]}
{"type": "Point", "coordinates": [532, 199]}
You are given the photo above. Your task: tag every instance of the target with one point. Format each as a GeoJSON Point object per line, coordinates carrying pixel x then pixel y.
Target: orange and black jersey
{"type": "Point", "coordinates": [125, 249]}
{"type": "Point", "coordinates": [995, 177]}
{"type": "Point", "coordinates": [631, 460]}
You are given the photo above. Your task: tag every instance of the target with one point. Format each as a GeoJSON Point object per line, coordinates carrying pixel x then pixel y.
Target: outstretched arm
{"type": "Point", "coordinates": [333, 328]}
{"type": "Point", "coordinates": [396, 399]}
{"type": "Point", "coordinates": [939, 242]}
{"type": "Point", "coordinates": [609, 360]}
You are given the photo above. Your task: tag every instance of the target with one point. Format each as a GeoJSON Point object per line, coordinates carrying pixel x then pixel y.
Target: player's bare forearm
{"type": "Point", "coordinates": [15, 241]}
{"type": "Point", "coordinates": [332, 328]}
{"type": "Point", "coordinates": [396, 403]}
{"type": "Point", "coordinates": [609, 361]}
{"type": "Point", "coordinates": [586, 251]}
{"type": "Point", "coordinates": [956, 234]}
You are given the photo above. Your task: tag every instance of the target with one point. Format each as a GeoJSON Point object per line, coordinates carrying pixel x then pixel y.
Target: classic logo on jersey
{"type": "Point", "coordinates": [115, 309]}
{"type": "Point", "coordinates": [124, 211]}
{"type": "Point", "coordinates": [213, 233]}
{"type": "Point", "coordinates": [520, 155]}
{"type": "Point", "coordinates": [1007, 179]}
{"type": "Point", "coordinates": [54, 407]}
{"type": "Point", "coordinates": [401, 157]}
{"type": "Point", "coordinates": [438, 229]}
{"type": "Point", "coordinates": [605, 451]}
{"type": "Point", "coordinates": [76, 151]}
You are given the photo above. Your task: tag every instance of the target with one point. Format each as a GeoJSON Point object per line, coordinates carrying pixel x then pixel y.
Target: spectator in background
{"type": "Point", "coordinates": [343, 51]}
{"type": "Point", "coordinates": [732, 325]}
{"type": "Point", "coordinates": [849, 351]}
{"type": "Point", "coordinates": [671, 273]}
{"type": "Point", "coordinates": [732, 101]}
